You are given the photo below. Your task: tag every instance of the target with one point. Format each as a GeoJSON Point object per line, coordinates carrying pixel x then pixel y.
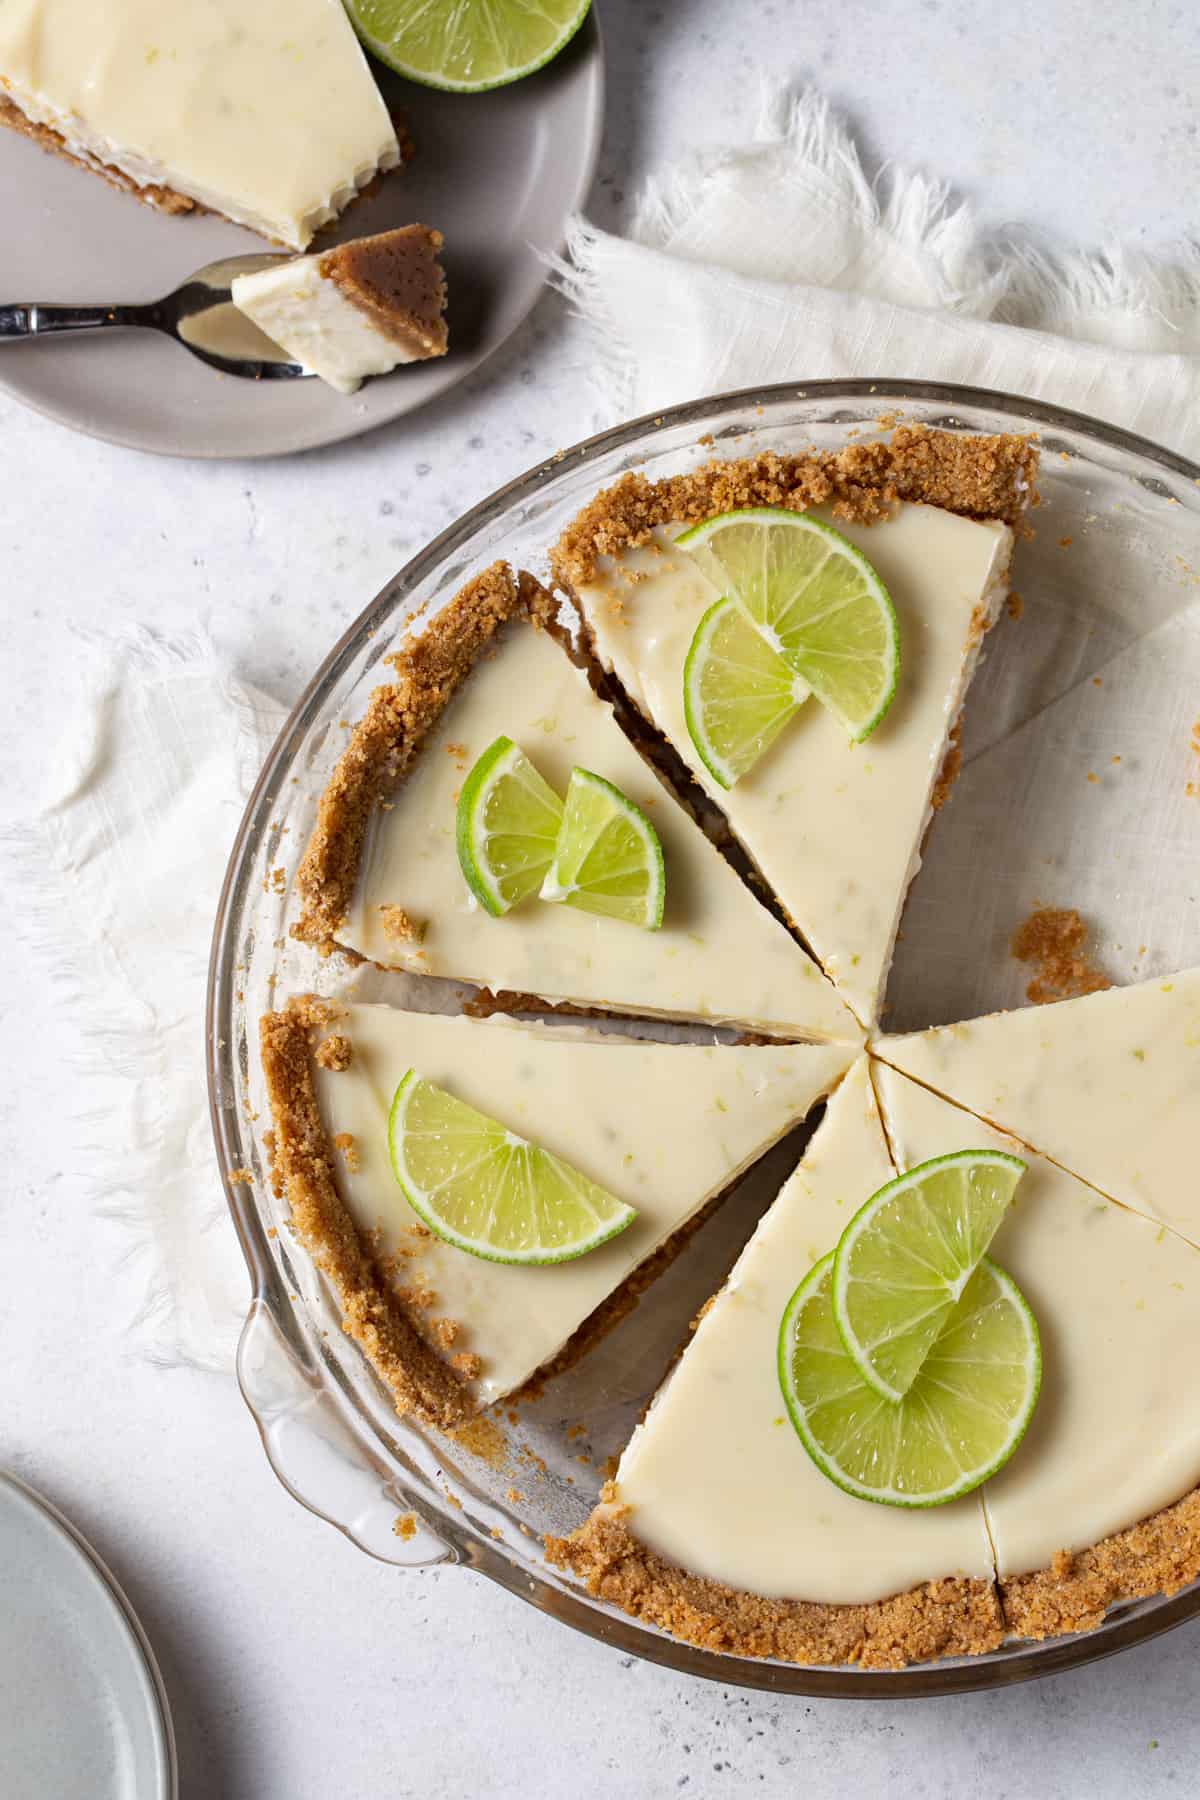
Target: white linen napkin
{"type": "Point", "coordinates": [779, 261]}
{"type": "Point", "coordinates": [775, 261]}
{"type": "Point", "coordinates": [116, 880]}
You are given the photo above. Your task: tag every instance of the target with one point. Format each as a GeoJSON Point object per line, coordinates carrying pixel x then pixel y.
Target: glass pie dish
{"type": "Point", "coordinates": [1110, 577]}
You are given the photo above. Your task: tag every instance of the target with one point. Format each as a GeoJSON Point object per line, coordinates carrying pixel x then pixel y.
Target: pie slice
{"type": "Point", "coordinates": [665, 1127]}
{"type": "Point", "coordinates": [1107, 1085]}
{"type": "Point", "coordinates": [1098, 1504]}
{"type": "Point", "coordinates": [720, 1528]}
{"type": "Point", "coordinates": [358, 310]}
{"type": "Point", "coordinates": [381, 875]}
{"type": "Point", "coordinates": [834, 828]}
{"type": "Point", "coordinates": [263, 110]}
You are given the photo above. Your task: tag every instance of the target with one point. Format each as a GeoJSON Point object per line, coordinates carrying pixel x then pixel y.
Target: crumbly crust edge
{"type": "Point", "coordinates": [430, 668]}
{"type": "Point", "coordinates": [976, 476]}
{"type": "Point", "coordinates": [952, 1617]}
{"type": "Point", "coordinates": [426, 337]}
{"type": "Point", "coordinates": [302, 1171]}
{"type": "Point", "coordinates": [162, 199]}
{"type": "Point", "coordinates": [1159, 1555]}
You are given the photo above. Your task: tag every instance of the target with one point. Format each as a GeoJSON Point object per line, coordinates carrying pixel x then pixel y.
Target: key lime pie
{"type": "Point", "coordinates": [262, 110]}
{"type": "Point", "coordinates": [943, 1399]}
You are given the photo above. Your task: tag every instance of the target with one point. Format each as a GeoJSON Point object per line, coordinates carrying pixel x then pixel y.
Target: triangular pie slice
{"type": "Point", "coordinates": [264, 112]}
{"type": "Point", "coordinates": [381, 875]}
{"type": "Point", "coordinates": [665, 1127]}
{"type": "Point", "coordinates": [1097, 1504]}
{"type": "Point", "coordinates": [1107, 1085]}
{"type": "Point", "coordinates": [834, 828]}
{"type": "Point", "coordinates": [720, 1528]}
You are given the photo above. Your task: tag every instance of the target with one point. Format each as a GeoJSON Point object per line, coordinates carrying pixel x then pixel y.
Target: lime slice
{"type": "Point", "coordinates": [816, 600]}
{"type": "Point", "coordinates": [466, 45]}
{"type": "Point", "coordinates": [906, 1257]}
{"type": "Point", "coordinates": [483, 1189]}
{"type": "Point", "coordinates": [508, 823]}
{"type": "Point", "coordinates": [960, 1421]}
{"type": "Point", "coordinates": [608, 859]}
{"type": "Point", "coordinates": [738, 693]}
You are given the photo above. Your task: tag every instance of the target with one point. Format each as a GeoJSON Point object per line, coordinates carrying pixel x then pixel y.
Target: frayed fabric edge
{"type": "Point", "coordinates": [120, 1061]}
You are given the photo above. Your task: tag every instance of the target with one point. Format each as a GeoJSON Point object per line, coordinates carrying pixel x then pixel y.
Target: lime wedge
{"type": "Point", "coordinates": [508, 822]}
{"type": "Point", "coordinates": [483, 1189]}
{"type": "Point", "coordinates": [738, 693]}
{"type": "Point", "coordinates": [816, 600]}
{"type": "Point", "coordinates": [960, 1421]}
{"type": "Point", "coordinates": [906, 1257]}
{"type": "Point", "coordinates": [608, 859]}
{"type": "Point", "coordinates": [466, 45]}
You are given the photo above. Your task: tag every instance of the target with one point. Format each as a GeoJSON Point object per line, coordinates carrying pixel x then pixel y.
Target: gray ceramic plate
{"type": "Point", "coordinates": [83, 1714]}
{"type": "Point", "coordinates": [496, 173]}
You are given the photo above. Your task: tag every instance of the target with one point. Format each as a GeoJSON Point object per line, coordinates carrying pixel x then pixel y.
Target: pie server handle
{"type": "Point", "coordinates": [316, 1458]}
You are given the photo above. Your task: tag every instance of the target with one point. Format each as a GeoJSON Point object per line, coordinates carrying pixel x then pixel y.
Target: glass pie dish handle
{"type": "Point", "coordinates": [315, 1456]}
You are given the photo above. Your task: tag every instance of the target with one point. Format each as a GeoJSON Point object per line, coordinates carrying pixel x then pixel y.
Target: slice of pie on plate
{"type": "Point", "coordinates": [263, 110]}
{"type": "Point", "coordinates": [835, 828]}
{"type": "Point", "coordinates": [666, 1128]}
{"type": "Point", "coordinates": [1107, 1085]}
{"type": "Point", "coordinates": [719, 1528]}
{"type": "Point", "coordinates": [381, 875]}
{"type": "Point", "coordinates": [1099, 1503]}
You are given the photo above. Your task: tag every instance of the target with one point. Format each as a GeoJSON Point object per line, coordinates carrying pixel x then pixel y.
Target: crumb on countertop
{"type": "Point", "coordinates": [1054, 940]}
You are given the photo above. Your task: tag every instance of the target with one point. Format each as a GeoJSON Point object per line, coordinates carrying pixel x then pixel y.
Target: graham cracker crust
{"type": "Point", "coordinates": [1158, 1556]}
{"type": "Point", "coordinates": [303, 1174]}
{"type": "Point", "coordinates": [429, 670]}
{"type": "Point", "coordinates": [395, 278]}
{"type": "Point", "coordinates": [950, 1617]}
{"type": "Point", "coordinates": [978, 477]}
{"type": "Point", "coordinates": [162, 199]}
{"type": "Point", "coordinates": [954, 1617]}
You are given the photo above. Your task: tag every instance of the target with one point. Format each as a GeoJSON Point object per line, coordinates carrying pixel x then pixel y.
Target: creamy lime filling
{"type": "Point", "coordinates": [1108, 1086]}
{"type": "Point", "coordinates": [319, 327]}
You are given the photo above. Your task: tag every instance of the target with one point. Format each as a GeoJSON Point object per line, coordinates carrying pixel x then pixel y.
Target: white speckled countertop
{"type": "Point", "coordinates": [298, 1668]}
